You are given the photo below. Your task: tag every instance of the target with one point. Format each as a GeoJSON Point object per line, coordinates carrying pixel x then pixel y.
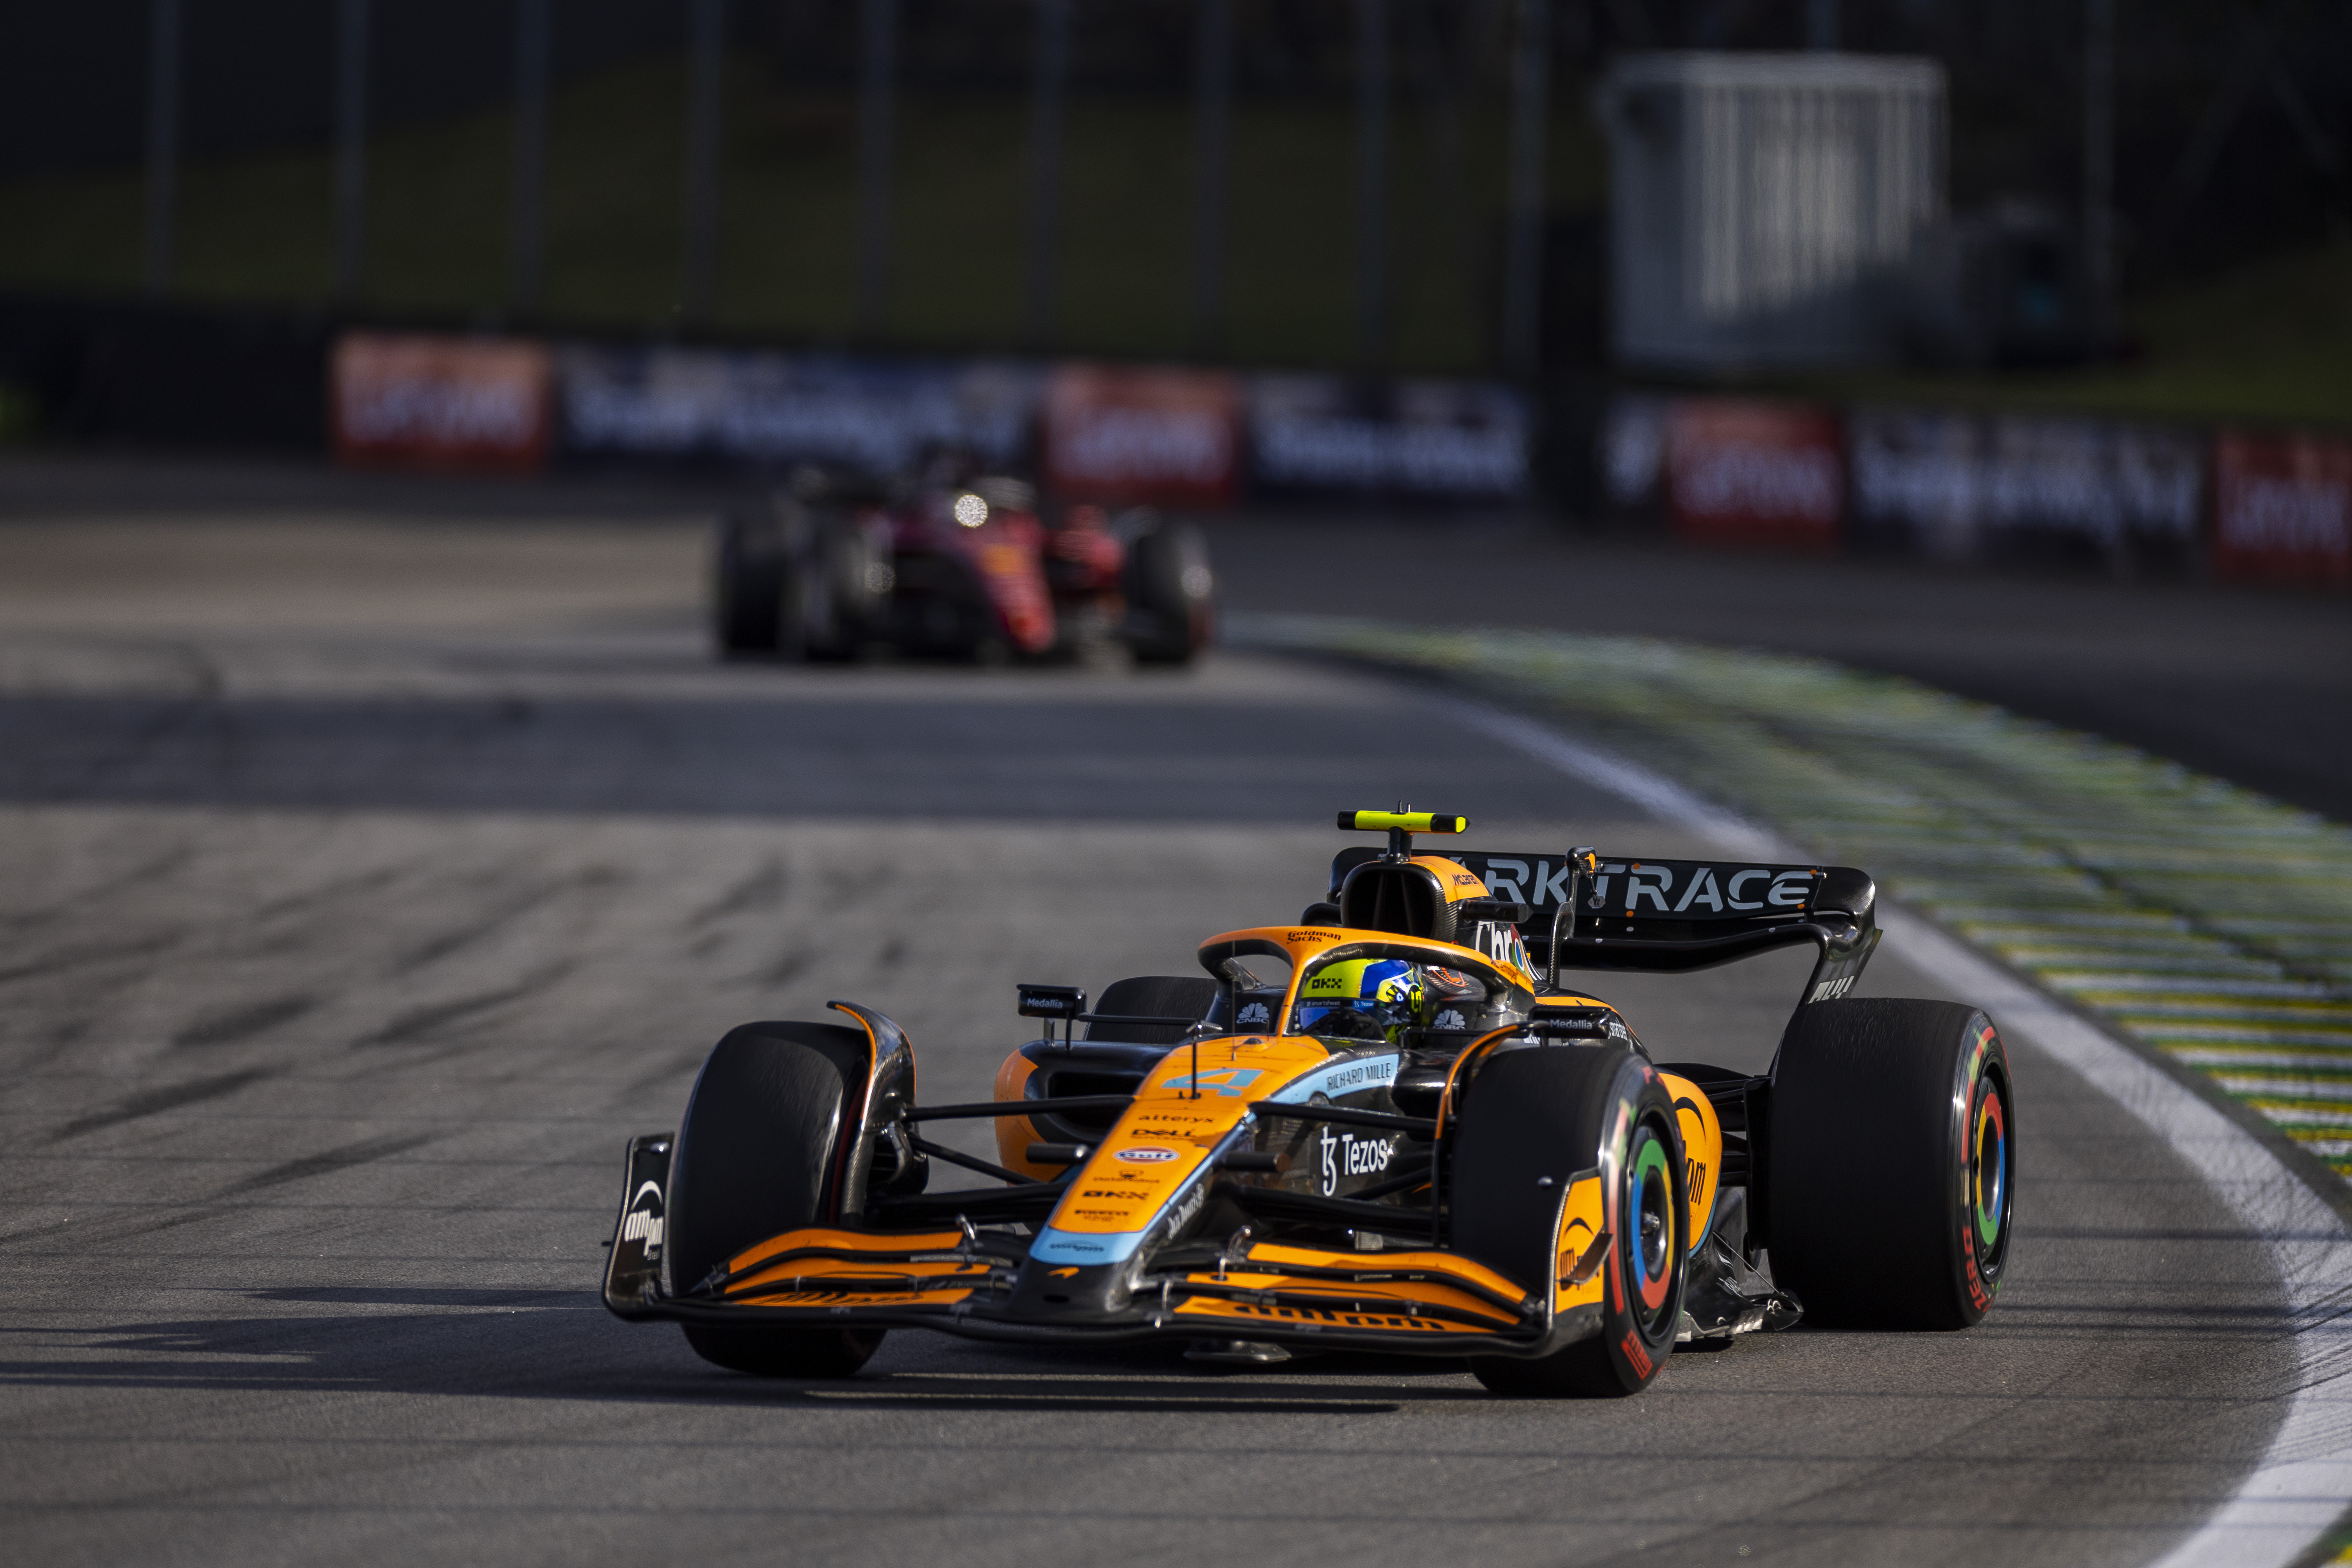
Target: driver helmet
{"type": "Point", "coordinates": [1361, 998]}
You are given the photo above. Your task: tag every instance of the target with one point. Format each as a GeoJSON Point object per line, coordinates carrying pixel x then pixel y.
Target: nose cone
{"type": "Point", "coordinates": [1047, 1292]}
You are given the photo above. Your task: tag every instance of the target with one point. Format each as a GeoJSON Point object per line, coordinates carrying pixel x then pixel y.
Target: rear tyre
{"type": "Point", "coordinates": [1170, 593]}
{"type": "Point", "coordinates": [758, 1154]}
{"type": "Point", "coordinates": [748, 573]}
{"type": "Point", "coordinates": [1892, 1160]}
{"type": "Point", "coordinates": [1551, 1112]}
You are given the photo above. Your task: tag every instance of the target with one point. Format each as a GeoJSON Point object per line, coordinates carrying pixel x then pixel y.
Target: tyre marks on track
{"type": "Point", "coordinates": [436, 1020]}
{"type": "Point", "coordinates": [327, 1162]}
{"type": "Point", "coordinates": [171, 1213]}
{"type": "Point", "coordinates": [155, 1101]}
{"type": "Point", "coordinates": [758, 893]}
{"type": "Point", "coordinates": [243, 1020]}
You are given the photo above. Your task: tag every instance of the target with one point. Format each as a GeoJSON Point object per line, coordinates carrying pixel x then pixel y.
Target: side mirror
{"type": "Point", "coordinates": [1063, 1002]}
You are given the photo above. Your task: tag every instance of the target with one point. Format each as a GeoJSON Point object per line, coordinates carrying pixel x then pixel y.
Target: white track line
{"type": "Point", "coordinates": [2304, 1483]}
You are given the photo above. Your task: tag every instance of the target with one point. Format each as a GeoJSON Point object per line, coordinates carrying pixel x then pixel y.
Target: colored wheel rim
{"type": "Point", "coordinates": [1650, 1229]}
{"type": "Point", "coordinates": [1991, 1179]}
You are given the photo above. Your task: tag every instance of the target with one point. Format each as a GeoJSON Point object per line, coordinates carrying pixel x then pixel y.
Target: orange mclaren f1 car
{"type": "Point", "coordinates": [1389, 1126]}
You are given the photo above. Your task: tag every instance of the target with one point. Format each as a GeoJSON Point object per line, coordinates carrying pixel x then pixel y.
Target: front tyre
{"type": "Point", "coordinates": [748, 577]}
{"type": "Point", "coordinates": [1553, 1111]}
{"type": "Point", "coordinates": [840, 584]}
{"type": "Point", "coordinates": [1893, 1174]}
{"type": "Point", "coordinates": [758, 1154]}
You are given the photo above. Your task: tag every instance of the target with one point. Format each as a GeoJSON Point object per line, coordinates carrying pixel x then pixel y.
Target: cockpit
{"type": "Point", "coordinates": [1375, 991]}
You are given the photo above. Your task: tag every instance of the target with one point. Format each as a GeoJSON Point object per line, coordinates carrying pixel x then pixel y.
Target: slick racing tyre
{"type": "Point", "coordinates": [749, 569]}
{"type": "Point", "coordinates": [1170, 593]}
{"type": "Point", "coordinates": [1553, 1111]}
{"type": "Point", "coordinates": [1892, 1164]}
{"type": "Point", "coordinates": [755, 1157]}
{"type": "Point", "coordinates": [839, 583]}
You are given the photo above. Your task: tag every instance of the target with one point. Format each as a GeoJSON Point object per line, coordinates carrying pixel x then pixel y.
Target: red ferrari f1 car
{"type": "Point", "coordinates": [955, 570]}
{"type": "Point", "coordinates": [1391, 1126]}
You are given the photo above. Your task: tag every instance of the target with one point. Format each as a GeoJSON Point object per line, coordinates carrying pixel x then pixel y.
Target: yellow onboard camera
{"type": "Point", "coordinates": [1401, 824]}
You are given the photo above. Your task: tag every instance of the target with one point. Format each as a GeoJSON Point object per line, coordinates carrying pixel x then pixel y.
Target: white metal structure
{"type": "Point", "coordinates": [1761, 205]}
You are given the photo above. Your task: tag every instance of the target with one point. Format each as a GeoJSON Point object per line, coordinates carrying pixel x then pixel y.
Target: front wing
{"type": "Point", "coordinates": [981, 1286]}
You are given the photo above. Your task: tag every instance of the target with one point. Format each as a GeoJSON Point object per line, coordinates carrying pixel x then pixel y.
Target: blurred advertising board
{"type": "Point", "coordinates": [1326, 435]}
{"type": "Point", "coordinates": [875, 417]}
{"type": "Point", "coordinates": [1633, 455]}
{"type": "Point", "coordinates": [441, 402]}
{"type": "Point", "coordinates": [1142, 435]}
{"type": "Point", "coordinates": [1967, 486]}
{"type": "Point", "coordinates": [2282, 508]}
{"type": "Point", "coordinates": [1742, 472]}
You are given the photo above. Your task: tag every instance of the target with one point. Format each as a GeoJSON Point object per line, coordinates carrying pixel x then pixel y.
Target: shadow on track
{"type": "Point", "coordinates": [559, 1344]}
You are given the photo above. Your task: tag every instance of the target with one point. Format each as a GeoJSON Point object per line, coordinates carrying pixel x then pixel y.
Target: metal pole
{"type": "Point", "coordinates": [877, 111]}
{"type": "Point", "coordinates": [162, 139]}
{"type": "Point", "coordinates": [351, 146]}
{"type": "Point", "coordinates": [1371, 181]}
{"type": "Point", "coordinates": [531, 27]}
{"type": "Point", "coordinates": [2099, 165]}
{"type": "Point", "coordinates": [1822, 25]}
{"type": "Point", "coordinates": [1050, 67]}
{"type": "Point", "coordinates": [1530, 118]}
{"type": "Point", "coordinates": [1212, 163]}
{"type": "Point", "coordinates": [707, 50]}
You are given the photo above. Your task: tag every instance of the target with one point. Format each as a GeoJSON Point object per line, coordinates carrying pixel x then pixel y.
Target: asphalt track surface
{"type": "Point", "coordinates": [368, 879]}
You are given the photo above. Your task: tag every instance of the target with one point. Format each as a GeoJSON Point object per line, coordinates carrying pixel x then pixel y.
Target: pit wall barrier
{"type": "Point", "coordinates": [1935, 484]}
{"type": "Point", "coordinates": [1952, 485]}
{"type": "Point", "coordinates": [2236, 503]}
{"type": "Point", "coordinates": [1198, 438]}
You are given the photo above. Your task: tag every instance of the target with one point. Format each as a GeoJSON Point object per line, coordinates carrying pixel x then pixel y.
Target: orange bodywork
{"type": "Point", "coordinates": [1469, 1293]}
{"type": "Point", "coordinates": [1015, 1134]}
{"type": "Point", "coordinates": [1175, 1124]}
{"type": "Point", "coordinates": [1702, 1133]}
{"type": "Point", "coordinates": [821, 1266]}
{"type": "Point", "coordinates": [1163, 1139]}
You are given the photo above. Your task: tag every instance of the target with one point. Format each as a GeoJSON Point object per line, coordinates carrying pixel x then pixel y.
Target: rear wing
{"type": "Point", "coordinates": [1671, 916]}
